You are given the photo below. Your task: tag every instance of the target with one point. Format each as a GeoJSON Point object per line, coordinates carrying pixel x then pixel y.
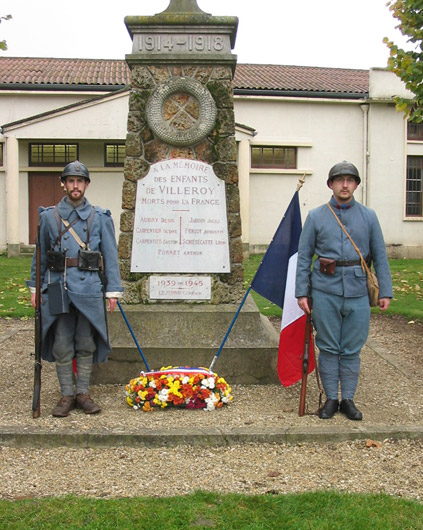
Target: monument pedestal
{"type": "Point", "coordinates": [180, 334]}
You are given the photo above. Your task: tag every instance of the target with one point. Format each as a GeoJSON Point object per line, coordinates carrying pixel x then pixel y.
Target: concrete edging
{"type": "Point", "coordinates": [17, 437]}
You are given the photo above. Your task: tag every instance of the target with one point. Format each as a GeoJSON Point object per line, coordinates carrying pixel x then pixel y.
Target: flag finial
{"type": "Point", "coordinates": [301, 182]}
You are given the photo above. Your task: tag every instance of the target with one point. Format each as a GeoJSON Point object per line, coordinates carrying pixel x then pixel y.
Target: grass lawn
{"type": "Point", "coordinates": [407, 276]}
{"type": "Point", "coordinates": [318, 510]}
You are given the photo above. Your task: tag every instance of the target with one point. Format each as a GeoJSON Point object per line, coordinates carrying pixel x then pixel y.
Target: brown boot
{"type": "Point", "coordinates": [84, 402]}
{"type": "Point", "coordinates": [64, 406]}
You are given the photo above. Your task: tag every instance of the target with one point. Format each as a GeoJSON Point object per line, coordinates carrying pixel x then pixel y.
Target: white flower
{"type": "Point", "coordinates": [225, 399]}
{"type": "Point", "coordinates": [205, 383]}
{"type": "Point", "coordinates": [211, 382]}
{"type": "Point", "coordinates": [210, 404]}
{"type": "Point", "coordinates": [136, 407]}
{"type": "Point", "coordinates": [185, 380]}
{"type": "Point", "coordinates": [162, 395]}
{"type": "Point", "coordinates": [152, 384]}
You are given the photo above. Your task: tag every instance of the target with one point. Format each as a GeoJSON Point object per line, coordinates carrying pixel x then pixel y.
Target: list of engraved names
{"type": "Point", "coordinates": [180, 220]}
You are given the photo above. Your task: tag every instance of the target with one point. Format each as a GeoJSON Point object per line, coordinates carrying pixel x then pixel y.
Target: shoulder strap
{"type": "Point", "coordinates": [84, 246]}
{"type": "Point", "coordinates": [60, 232]}
{"type": "Point", "coordinates": [363, 261]}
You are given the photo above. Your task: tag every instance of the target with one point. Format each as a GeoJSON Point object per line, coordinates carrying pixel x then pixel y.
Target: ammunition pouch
{"type": "Point", "coordinates": [58, 299]}
{"type": "Point", "coordinates": [55, 260]}
{"type": "Point", "coordinates": [327, 265]}
{"type": "Point", "coordinates": [90, 260]}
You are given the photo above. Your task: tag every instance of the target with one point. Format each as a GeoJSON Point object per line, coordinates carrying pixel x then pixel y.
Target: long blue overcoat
{"type": "Point", "coordinates": [84, 288]}
{"type": "Point", "coordinates": [323, 236]}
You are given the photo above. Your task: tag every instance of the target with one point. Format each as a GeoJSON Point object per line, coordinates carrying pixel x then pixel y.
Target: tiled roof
{"type": "Point", "coordinates": [38, 73]}
{"type": "Point", "coordinates": [41, 71]}
{"type": "Point", "coordinates": [301, 79]}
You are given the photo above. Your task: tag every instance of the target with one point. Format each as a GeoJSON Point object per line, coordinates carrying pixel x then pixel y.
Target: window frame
{"type": "Point", "coordinates": [417, 134]}
{"type": "Point", "coordinates": [114, 145]}
{"type": "Point", "coordinates": [274, 165]}
{"type": "Point", "coordinates": [68, 157]}
{"type": "Point", "coordinates": [419, 185]}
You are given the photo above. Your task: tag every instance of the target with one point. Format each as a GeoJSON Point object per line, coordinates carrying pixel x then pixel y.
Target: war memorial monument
{"type": "Point", "coordinates": [180, 245]}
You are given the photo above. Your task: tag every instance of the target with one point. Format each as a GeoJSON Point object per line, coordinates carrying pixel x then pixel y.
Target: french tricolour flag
{"type": "Point", "coordinates": [275, 280]}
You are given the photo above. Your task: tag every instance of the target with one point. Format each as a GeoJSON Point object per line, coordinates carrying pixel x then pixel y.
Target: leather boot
{"type": "Point", "coordinates": [348, 408]}
{"type": "Point", "coordinates": [64, 406]}
{"type": "Point", "coordinates": [85, 402]}
{"type": "Point", "coordinates": [328, 409]}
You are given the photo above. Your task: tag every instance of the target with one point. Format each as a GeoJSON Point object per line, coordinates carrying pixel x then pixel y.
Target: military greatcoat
{"type": "Point", "coordinates": [323, 236]}
{"type": "Point", "coordinates": [84, 288]}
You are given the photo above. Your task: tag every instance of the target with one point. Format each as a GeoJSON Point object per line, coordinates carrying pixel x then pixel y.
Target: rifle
{"type": "Point", "coordinates": [36, 410]}
{"type": "Point", "coordinates": [306, 359]}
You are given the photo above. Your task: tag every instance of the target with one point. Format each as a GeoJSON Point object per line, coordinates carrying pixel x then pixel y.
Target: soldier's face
{"type": "Point", "coordinates": [75, 188]}
{"type": "Point", "coordinates": [343, 188]}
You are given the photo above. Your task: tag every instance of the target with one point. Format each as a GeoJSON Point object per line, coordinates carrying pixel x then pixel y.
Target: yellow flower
{"type": "Point", "coordinates": [129, 401]}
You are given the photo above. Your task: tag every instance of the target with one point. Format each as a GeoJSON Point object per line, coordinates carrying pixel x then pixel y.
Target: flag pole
{"type": "Point", "coordinates": [230, 329]}
{"type": "Point", "coordinates": [122, 312]}
{"type": "Point", "coordinates": [299, 186]}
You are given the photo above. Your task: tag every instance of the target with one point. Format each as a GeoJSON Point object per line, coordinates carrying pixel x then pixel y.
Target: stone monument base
{"type": "Point", "coordinates": [190, 335]}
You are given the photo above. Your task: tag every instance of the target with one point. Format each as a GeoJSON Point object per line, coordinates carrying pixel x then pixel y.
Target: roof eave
{"type": "Point", "coordinates": [52, 87]}
{"type": "Point", "coordinates": [300, 93]}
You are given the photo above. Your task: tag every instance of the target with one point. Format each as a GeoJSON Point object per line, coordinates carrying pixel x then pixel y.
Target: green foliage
{"type": "Point", "coordinates": [3, 44]}
{"type": "Point", "coordinates": [407, 282]}
{"type": "Point", "coordinates": [15, 299]}
{"type": "Point", "coordinates": [407, 277]}
{"type": "Point", "coordinates": [266, 308]}
{"type": "Point", "coordinates": [315, 510]}
{"type": "Point", "coordinates": [408, 65]}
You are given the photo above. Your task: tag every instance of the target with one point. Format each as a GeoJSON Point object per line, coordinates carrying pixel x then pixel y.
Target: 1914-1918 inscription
{"type": "Point", "coordinates": [180, 220]}
{"type": "Point", "coordinates": [181, 43]}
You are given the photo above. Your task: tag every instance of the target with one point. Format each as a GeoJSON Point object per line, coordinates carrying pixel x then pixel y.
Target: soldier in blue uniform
{"type": "Point", "coordinates": [79, 268]}
{"type": "Point", "coordinates": [341, 311]}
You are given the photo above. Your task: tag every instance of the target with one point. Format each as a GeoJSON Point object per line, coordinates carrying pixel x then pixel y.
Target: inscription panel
{"type": "Point", "coordinates": [180, 287]}
{"type": "Point", "coordinates": [180, 220]}
{"type": "Point", "coordinates": [181, 43]}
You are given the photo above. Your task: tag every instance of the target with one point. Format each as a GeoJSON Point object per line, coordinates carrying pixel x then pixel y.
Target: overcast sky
{"type": "Point", "coordinates": [334, 33]}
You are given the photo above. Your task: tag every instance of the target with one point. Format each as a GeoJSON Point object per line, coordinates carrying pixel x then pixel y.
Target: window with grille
{"type": "Point", "coordinates": [273, 157]}
{"type": "Point", "coordinates": [413, 201]}
{"type": "Point", "coordinates": [52, 154]}
{"type": "Point", "coordinates": [415, 131]}
{"type": "Point", "coordinates": [114, 155]}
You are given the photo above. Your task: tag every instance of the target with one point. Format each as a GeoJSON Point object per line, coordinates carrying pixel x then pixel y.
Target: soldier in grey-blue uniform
{"type": "Point", "coordinates": [79, 268]}
{"type": "Point", "coordinates": [341, 311]}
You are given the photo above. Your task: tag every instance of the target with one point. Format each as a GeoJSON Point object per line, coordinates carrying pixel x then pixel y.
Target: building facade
{"type": "Point", "coordinates": [291, 121]}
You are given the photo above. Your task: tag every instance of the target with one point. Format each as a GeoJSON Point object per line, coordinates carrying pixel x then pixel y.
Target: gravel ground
{"type": "Point", "coordinates": [390, 393]}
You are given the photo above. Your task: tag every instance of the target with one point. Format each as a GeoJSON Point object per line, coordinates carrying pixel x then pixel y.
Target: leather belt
{"type": "Point", "coordinates": [347, 262]}
{"type": "Point", "coordinates": [72, 262]}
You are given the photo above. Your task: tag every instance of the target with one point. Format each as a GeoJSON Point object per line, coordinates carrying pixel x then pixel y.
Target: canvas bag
{"type": "Point", "coordinates": [372, 281]}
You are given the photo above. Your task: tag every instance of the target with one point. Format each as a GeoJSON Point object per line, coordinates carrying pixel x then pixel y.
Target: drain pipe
{"type": "Point", "coordinates": [364, 181]}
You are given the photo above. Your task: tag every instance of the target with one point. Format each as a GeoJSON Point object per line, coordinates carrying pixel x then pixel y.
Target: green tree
{"type": "Point", "coordinates": [3, 44]}
{"type": "Point", "coordinates": [408, 65]}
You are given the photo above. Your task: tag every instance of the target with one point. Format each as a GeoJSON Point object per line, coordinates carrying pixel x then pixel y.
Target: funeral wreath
{"type": "Point", "coordinates": [191, 388]}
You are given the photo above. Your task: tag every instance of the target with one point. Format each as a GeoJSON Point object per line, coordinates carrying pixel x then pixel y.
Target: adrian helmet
{"type": "Point", "coordinates": [75, 169]}
{"type": "Point", "coordinates": [343, 168]}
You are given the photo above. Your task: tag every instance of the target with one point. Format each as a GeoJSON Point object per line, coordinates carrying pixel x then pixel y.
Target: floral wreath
{"type": "Point", "coordinates": [191, 388]}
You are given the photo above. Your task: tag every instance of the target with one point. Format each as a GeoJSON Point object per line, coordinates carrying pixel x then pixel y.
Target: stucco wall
{"type": "Point", "coordinates": [325, 132]}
